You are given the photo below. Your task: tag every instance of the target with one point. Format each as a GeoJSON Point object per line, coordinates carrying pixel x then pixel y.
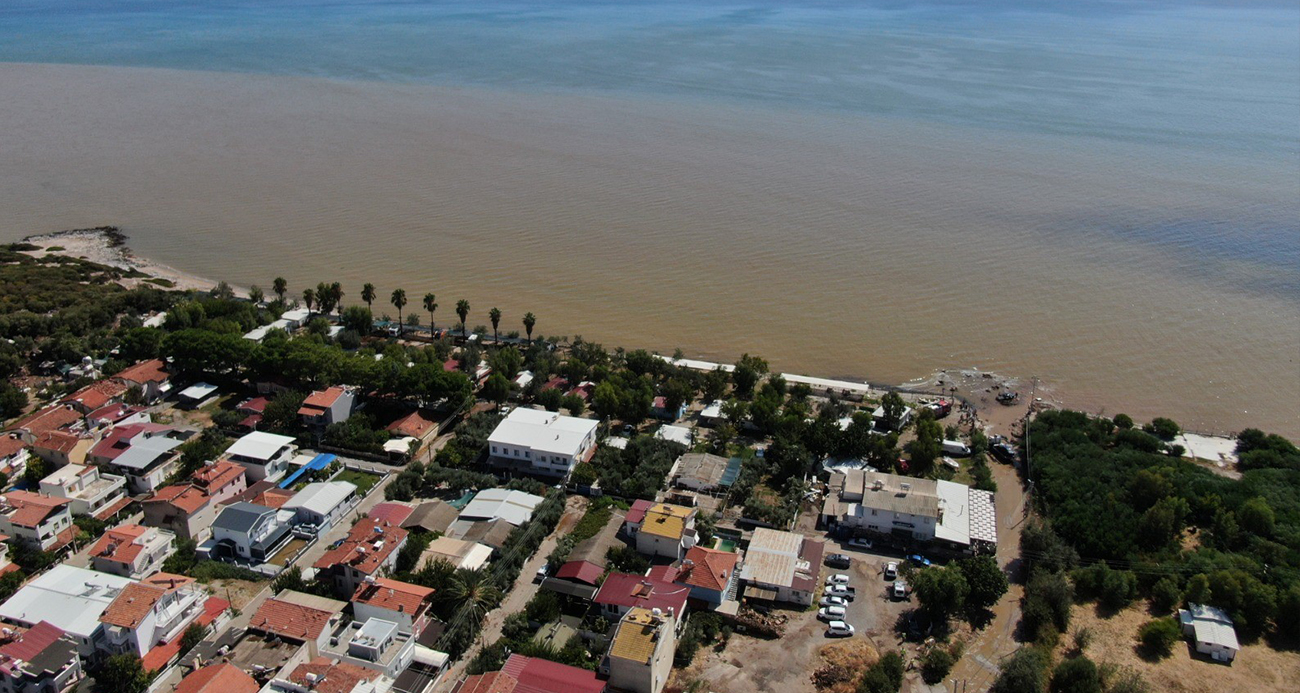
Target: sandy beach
{"type": "Point", "coordinates": [106, 245]}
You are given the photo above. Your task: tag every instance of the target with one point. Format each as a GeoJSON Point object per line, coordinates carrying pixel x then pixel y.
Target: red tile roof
{"type": "Point", "coordinates": [290, 620]}
{"type": "Point", "coordinates": [663, 573]}
{"type": "Point", "coordinates": [625, 590]}
{"type": "Point", "coordinates": [708, 568]}
{"type": "Point", "coordinates": [132, 605]}
{"type": "Point", "coordinates": [393, 595]}
{"type": "Point", "coordinates": [189, 499]}
{"type": "Point", "coordinates": [117, 440]}
{"type": "Point", "coordinates": [31, 509]}
{"type": "Point", "coordinates": [358, 549]}
{"type": "Point", "coordinates": [112, 508]}
{"type": "Point", "coordinates": [51, 418]}
{"type": "Point", "coordinates": [256, 405]}
{"type": "Point", "coordinates": [273, 498]}
{"type": "Point", "coordinates": [414, 425]}
{"type": "Point", "coordinates": [491, 682]}
{"type": "Point", "coordinates": [119, 544]}
{"type": "Point", "coordinates": [217, 476]}
{"type": "Point", "coordinates": [32, 642]}
{"type": "Point", "coordinates": [580, 571]}
{"type": "Point", "coordinates": [218, 678]}
{"type": "Point", "coordinates": [636, 514]}
{"type": "Point", "coordinates": [391, 512]}
{"type": "Point", "coordinates": [543, 676]}
{"type": "Point", "coordinates": [56, 441]}
{"type": "Point", "coordinates": [97, 394]}
{"type": "Point", "coordinates": [331, 677]}
{"type": "Point", "coordinates": [153, 371]}
{"type": "Point", "coordinates": [10, 446]}
{"type": "Point", "coordinates": [113, 413]}
{"type": "Point", "coordinates": [317, 402]}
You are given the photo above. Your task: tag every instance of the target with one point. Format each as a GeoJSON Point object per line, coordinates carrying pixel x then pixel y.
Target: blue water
{"type": "Point", "coordinates": [1209, 76]}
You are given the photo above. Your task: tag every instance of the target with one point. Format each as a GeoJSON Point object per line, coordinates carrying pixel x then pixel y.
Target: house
{"type": "Point", "coordinates": [185, 510]}
{"type": "Point", "coordinates": [262, 455]}
{"type": "Point", "coordinates": [218, 678]}
{"type": "Point", "coordinates": [462, 554]}
{"type": "Point", "coordinates": [661, 410]}
{"type": "Point", "coordinates": [322, 504]}
{"type": "Point", "coordinates": [248, 533]}
{"type": "Point", "coordinates": [299, 618]}
{"type": "Point", "coordinates": [488, 532]}
{"type": "Point", "coordinates": [323, 675]}
{"type": "Point", "coordinates": [220, 481]}
{"type": "Point", "coordinates": [393, 512]}
{"type": "Point", "coordinates": [70, 598]}
{"type": "Point", "coordinates": [542, 442]}
{"type": "Point", "coordinates": [40, 659]}
{"type": "Point", "coordinates": [13, 455]}
{"type": "Point", "coordinates": [144, 616]}
{"type": "Point", "coordinates": [522, 674]}
{"type": "Point", "coordinates": [195, 395]}
{"type": "Point", "coordinates": [622, 591]}
{"type": "Point", "coordinates": [663, 530]}
{"type": "Point", "coordinates": [252, 408]}
{"type": "Point", "coordinates": [414, 425]}
{"type": "Point", "coordinates": [912, 508]}
{"type": "Point", "coordinates": [132, 551]}
{"type": "Point", "coordinates": [712, 414]}
{"type": "Point", "coordinates": [515, 507]}
{"type": "Point", "coordinates": [711, 574]}
{"type": "Point", "coordinates": [116, 415]}
{"type": "Point", "coordinates": [88, 490]}
{"type": "Point", "coordinates": [295, 318]}
{"type": "Point", "coordinates": [701, 472]}
{"type": "Point", "coordinates": [878, 416]}
{"type": "Point", "coordinates": [640, 655]}
{"type": "Point", "coordinates": [402, 603]}
{"type": "Point", "coordinates": [676, 434]}
{"type": "Point", "coordinates": [328, 406]}
{"type": "Point", "coordinates": [782, 567]}
{"type": "Point", "coordinates": [56, 417]}
{"type": "Point", "coordinates": [1211, 629]}
{"type": "Point", "coordinates": [6, 564]}
{"type": "Point", "coordinates": [42, 521]}
{"type": "Point", "coordinates": [150, 377]}
{"type": "Point", "coordinates": [61, 447]}
{"type": "Point", "coordinates": [118, 439]}
{"type": "Point", "coordinates": [369, 550]}
{"type": "Point", "coordinates": [96, 395]}
{"type": "Point", "coordinates": [376, 644]}
{"type": "Point", "coordinates": [151, 457]}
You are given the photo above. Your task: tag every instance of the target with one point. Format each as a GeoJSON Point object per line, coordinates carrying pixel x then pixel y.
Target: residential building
{"type": "Point", "coordinates": [150, 458]}
{"type": "Point", "coordinates": [542, 442]}
{"type": "Point", "coordinates": [132, 551]}
{"type": "Point", "coordinates": [61, 447]}
{"type": "Point", "coordinates": [96, 395]}
{"type": "Point", "coordinates": [185, 510]}
{"type": "Point", "coordinates": [640, 655]}
{"type": "Point", "coordinates": [417, 425]}
{"type": "Point", "coordinates": [1211, 630]}
{"type": "Point", "coordinates": [664, 530]}
{"type": "Point", "coordinates": [322, 504]}
{"type": "Point", "coordinates": [711, 574]}
{"type": "Point", "coordinates": [112, 415]}
{"type": "Point", "coordinates": [13, 455]}
{"type": "Point", "coordinates": [661, 410]}
{"type": "Point", "coordinates": [461, 554]}
{"type": "Point", "coordinates": [118, 439]}
{"type": "Point", "coordinates": [218, 678]}
{"type": "Point", "coordinates": [377, 644]}
{"type": "Point", "coordinates": [878, 416]}
{"type": "Point", "coordinates": [247, 533]}
{"type": "Point", "coordinates": [42, 521]}
{"type": "Point", "coordinates": [911, 508]}
{"type": "Point", "coordinates": [522, 674]}
{"type": "Point", "coordinates": [701, 472]}
{"type": "Point", "coordinates": [88, 490]}
{"type": "Point", "coordinates": [393, 512]}
{"type": "Point", "coordinates": [40, 659]}
{"type": "Point", "coordinates": [781, 566]}
{"type": "Point", "coordinates": [322, 675]}
{"type": "Point", "coordinates": [515, 507]}
{"type": "Point", "coordinates": [56, 417]}
{"type": "Point", "coordinates": [220, 481]}
{"type": "Point", "coordinates": [150, 377]}
{"type": "Point", "coordinates": [298, 617]}
{"type": "Point", "coordinates": [400, 602]}
{"type": "Point", "coordinates": [369, 550]}
{"type": "Point", "coordinates": [324, 407]}
{"type": "Point", "coordinates": [676, 434]}
{"type": "Point", "coordinates": [70, 598]}
{"type": "Point", "coordinates": [262, 455]}
{"type": "Point", "coordinates": [144, 616]}
{"type": "Point", "coordinates": [622, 591]}
{"type": "Point", "coordinates": [492, 533]}
{"type": "Point", "coordinates": [252, 409]}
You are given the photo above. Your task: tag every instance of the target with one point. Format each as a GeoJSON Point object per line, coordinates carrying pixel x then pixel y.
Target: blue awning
{"type": "Point", "coordinates": [317, 463]}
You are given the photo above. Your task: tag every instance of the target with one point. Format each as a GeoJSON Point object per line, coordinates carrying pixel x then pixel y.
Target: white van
{"type": "Point", "coordinates": [955, 448]}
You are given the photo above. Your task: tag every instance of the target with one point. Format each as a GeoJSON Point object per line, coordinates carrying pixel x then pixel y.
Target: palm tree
{"type": "Point", "coordinates": [308, 297]}
{"type": "Point", "coordinates": [462, 309]}
{"type": "Point", "coordinates": [280, 286]}
{"type": "Point", "coordinates": [495, 316]}
{"type": "Point", "coordinates": [368, 295]}
{"type": "Point", "coordinates": [399, 302]}
{"type": "Point", "coordinates": [529, 321]}
{"type": "Point", "coordinates": [336, 293]}
{"type": "Point", "coordinates": [255, 294]}
{"type": "Point", "coordinates": [323, 298]}
{"type": "Point", "coordinates": [430, 304]}
{"type": "Point", "coordinates": [473, 590]}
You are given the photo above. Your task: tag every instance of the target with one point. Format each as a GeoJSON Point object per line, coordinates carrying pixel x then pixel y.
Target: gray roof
{"type": "Point", "coordinates": [433, 516]}
{"type": "Point", "coordinates": [146, 451]}
{"type": "Point", "coordinates": [241, 517]}
{"type": "Point", "coordinates": [703, 468]}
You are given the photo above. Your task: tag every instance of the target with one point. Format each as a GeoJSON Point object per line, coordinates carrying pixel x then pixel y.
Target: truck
{"type": "Point", "coordinates": [841, 591]}
{"type": "Point", "coordinates": [955, 448]}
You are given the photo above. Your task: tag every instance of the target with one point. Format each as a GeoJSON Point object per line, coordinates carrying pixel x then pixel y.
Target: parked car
{"type": "Point", "coordinates": [831, 613]}
{"type": "Point", "coordinates": [542, 572]}
{"type": "Point", "coordinates": [838, 579]}
{"type": "Point", "coordinates": [830, 600]}
{"type": "Point", "coordinates": [900, 589]}
{"type": "Point", "coordinates": [842, 591]}
{"type": "Point", "coordinates": [1004, 452]}
{"type": "Point", "coordinates": [920, 560]}
{"type": "Point", "coordinates": [956, 448]}
{"type": "Point", "coordinates": [860, 543]}
{"type": "Point", "coordinates": [891, 570]}
{"type": "Point", "coordinates": [838, 629]}
{"type": "Point", "coordinates": [838, 560]}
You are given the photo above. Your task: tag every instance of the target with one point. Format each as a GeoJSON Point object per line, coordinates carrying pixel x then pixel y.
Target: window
{"type": "Point", "coordinates": [494, 449]}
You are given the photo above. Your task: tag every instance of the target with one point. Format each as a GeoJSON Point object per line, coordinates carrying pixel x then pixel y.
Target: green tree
{"type": "Point", "coordinates": [280, 287]}
{"type": "Point", "coordinates": [893, 406]}
{"type": "Point", "coordinates": [1123, 421]}
{"type": "Point", "coordinates": [462, 312]}
{"type": "Point", "coordinates": [749, 370]}
{"type": "Point", "coordinates": [12, 400]}
{"type": "Point", "coordinates": [495, 316]}
{"type": "Point", "coordinates": [885, 676]}
{"type": "Point", "coordinates": [308, 299]}
{"type": "Point", "coordinates": [358, 319]}
{"type": "Point", "coordinates": [936, 664]}
{"type": "Point", "coordinates": [472, 592]}
{"type": "Point", "coordinates": [1158, 636]}
{"type": "Point", "coordinates": [496, 389]}
{"type": "Point", "coordinates": [431, 305]}
{"type": "Point", "coordinates": [941, 591]}
{"type": "Point", "coordinates": [1024, 672]}
{"type": "Point", "coordinates": [529, 322]}
{"type": "Point", "coordinates": [122, 674]}
{"type": "Point", "coordinates": [985, 579]}
{"type": "Point", "coordinates": [1256, 516]}
{"type": "Point", "coordinates": [192, 637]}
{"type": "Point", "coordinates": [35, 470]}
{"type": "Point", "coordinates": [398, 299]}
{"type": "Point", "coordinates": [927, 446]}
{"type": "Point", "coordinates": [368, 295]}
{"type": "Point", "coordinates": [1165, 595]}
{"type": "Point", "coordinates": [255, 294]}
{"type": "Point", "coordinates": [1162, 428]}
{"type": "Point", "coordinates": [1077, 675]}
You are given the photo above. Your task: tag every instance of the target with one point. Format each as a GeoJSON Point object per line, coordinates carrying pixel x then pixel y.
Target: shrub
{"type": "Point", "coordinates": [1158, 636]}
{"type": "Point", "coordinates": [1025, 672]}
{"type": "Point", "coordinates": [936, 664]}
{"type": "Point", "coordinates": [1078, 675]}
{"type": "Point", "coordinates": [885, 676]}
{"type": "Point", "coordinates": [1165, 595]}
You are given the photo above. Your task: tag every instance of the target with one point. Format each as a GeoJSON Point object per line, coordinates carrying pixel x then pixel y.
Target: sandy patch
{"type": "Point", "coordinates": [106, 246]}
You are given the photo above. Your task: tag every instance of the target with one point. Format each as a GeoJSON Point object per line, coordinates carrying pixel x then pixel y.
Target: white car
{"type": "Point", "coordinates": [900, 589]}
{"type": "Point", "coordinates": [842, 591]}
{"type": "Point", "coordinates": [838, 579]}
{"type": "Point", "coordinates": [831, 600]}
{"type": "Point", "coordinates": [838, 629]}
{"type": "Point", "coordinates": [891, 570]}
{"type": "Point", "coordinates": [831, 613]}
{"type": "Point", "coordinates": [860, 543]}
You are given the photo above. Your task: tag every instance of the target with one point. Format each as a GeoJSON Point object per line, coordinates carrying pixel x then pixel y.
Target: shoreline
{"type": "Point", "coordinates": [106, 245]}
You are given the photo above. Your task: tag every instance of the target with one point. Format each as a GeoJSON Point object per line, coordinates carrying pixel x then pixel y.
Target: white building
{"type": "Point", "coordinates": [1212, 631]}
{"type": "Point", "coordinates": [917, 509]}
{"type": "Point", "coordinates": [458, 552]}
{"type": "Point", "coordinates": [322, 504]}
{"type": "Point", "coordinates": [41, 521]}
{"type": "Point", "coordinates": [640, 656]}
{"type": "Point", "coordinates": [149, 461]}
{"type": "Point", "coordinates": [676, 434]}
{"type": "Point", "coordinates": [248, 533]}
{"type": "Point", "coordinates": [86, 488]}
{"type": "Point", "coordinates": [544, 442]}
{"type": "Point", "coordinates": [781, 566]}
{"type": "Point", "coordinates": [264, 456]}
{"type": "Point", "coordinates": [71, 598]}
{"type": "Point", "coordinates": [132, 551]}
{"type": "Point", "coordinates": [144, 616]}
{"type": "Point", "coordinates": [515, 507]}
{"type": "Point", "coordinates": [328, 406]}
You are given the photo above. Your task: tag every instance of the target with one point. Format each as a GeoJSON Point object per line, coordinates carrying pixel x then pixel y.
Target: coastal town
{"type": "Point", "coordinates": [291, 491]}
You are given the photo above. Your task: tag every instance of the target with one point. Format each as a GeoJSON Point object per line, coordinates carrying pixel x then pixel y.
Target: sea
{"type": "Point", "coordinates": [1101, 194]}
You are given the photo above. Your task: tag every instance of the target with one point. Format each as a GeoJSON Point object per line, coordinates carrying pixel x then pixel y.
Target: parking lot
{"type": "Point", "coordinates": [874, 611]}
